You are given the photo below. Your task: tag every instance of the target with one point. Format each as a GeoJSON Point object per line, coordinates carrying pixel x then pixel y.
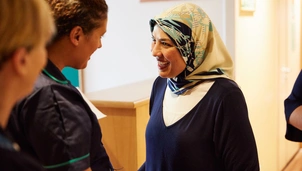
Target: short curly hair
{"type": "Point", "coordinates": [83, 13]}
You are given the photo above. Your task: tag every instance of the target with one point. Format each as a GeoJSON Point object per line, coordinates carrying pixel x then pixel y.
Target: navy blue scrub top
{"type": "Point", "coordinates": [293, 101]}
{"type": "Point", "coordinates": [11, 159]}
{"type": "Point", "coordinates": [55, 125]}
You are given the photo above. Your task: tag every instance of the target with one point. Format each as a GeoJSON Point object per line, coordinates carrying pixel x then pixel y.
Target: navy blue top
{"type": "Point", "coordinates": [11, 159]}
{"type": "Point", "coordinates": [215, 135]}
{"type": "Point", "coordinates": [293, 101]}
{"type": "Point", "coordinates": [56, 126]}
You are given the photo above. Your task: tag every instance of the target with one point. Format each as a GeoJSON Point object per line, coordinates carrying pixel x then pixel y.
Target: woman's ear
{"type": "Point", "coordinates": [20, 61]}
{"type": "Point", "coordinates": [75, 34]}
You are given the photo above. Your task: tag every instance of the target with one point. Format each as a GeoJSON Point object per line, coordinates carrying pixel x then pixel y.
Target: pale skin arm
{"type": "Point", "coordinates": [295, 118]}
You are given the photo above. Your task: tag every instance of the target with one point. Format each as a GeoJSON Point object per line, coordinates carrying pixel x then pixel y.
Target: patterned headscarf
{"type": "Point", "coordinates": [200, 45]}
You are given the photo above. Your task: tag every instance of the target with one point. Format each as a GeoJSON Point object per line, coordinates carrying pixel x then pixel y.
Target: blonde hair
{"type": "Point", "coordinates": [24, 23]}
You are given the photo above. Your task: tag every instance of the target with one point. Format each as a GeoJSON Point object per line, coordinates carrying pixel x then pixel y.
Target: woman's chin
{"type": "Point", "coordinates": [163, 74]}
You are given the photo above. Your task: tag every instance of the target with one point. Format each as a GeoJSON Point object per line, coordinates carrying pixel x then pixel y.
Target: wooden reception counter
{"type": "Point", "coordinates": [127, 110]}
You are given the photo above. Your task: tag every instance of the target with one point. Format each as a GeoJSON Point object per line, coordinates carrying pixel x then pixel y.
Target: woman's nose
{"type": "Point", "coordinates": [155, 50]}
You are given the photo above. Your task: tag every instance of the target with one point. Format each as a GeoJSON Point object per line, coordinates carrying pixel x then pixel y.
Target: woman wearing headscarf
{"type": "Point", "coordinates": [198, 114]}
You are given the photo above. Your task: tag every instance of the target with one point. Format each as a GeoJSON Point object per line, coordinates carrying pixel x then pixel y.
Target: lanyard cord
{"type": "Point", "coordinates": [54, 78]}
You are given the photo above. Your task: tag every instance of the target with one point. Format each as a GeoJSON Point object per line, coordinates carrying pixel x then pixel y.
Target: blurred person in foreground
{"type": "Point", "coordinates": [198, 114]}
{"type": "Point", "coordinates": [54, 123]}
{"type": "Point", "coordinates": [293, 111]}
{"type": "Point", "coordinates": [25, 28]}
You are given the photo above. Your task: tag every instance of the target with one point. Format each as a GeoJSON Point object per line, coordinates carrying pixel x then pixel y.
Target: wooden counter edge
{"type": "Point", "coordinates": [120, 104]}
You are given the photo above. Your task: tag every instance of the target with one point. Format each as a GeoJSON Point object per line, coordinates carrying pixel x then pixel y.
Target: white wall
{"type": "Point", "coordinates": [125, 56]}
{"type": "Point", "coordinates": [256, 68]}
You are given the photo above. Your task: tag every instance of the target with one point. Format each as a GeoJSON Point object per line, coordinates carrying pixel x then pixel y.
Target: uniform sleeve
{"type": "Point", "coordinates": [293, 101]}
{"type": "Point", "coordinates": [58, 129]}
{"type": "Point", "coordinates": [233, 135]}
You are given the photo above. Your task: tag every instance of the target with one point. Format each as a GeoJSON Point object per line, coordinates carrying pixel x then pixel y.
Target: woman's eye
{"type": "Point", "coordinates": [165, 44]}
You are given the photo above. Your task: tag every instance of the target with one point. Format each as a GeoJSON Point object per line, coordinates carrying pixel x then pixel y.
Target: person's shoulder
{"type": "Point", "coordinates": [224, 89]}
{"type": "Point", "coordinates": [226, 83]}
{"type": "Point", "coordinates": [45, 85]}
{"type": "Point", "coordinates": [43, 81]}
{"type": "Point", "coordinates": [225, 86]}
{"type": "Point", "coordinates": [159, 81]}
{"type": "Point", "coordinates": [299, 78]}
{"type": "Point", "coordinates": [38, 89]}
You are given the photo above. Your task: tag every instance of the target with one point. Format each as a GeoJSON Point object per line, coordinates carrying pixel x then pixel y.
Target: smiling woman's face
{"type": "Point", "coordinates": [88, 45]}
{"type": "Point", "coordinates": [170, 61]}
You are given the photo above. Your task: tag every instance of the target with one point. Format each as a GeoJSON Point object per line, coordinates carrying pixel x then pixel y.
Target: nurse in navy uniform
{"type": "Point", "coordinates": [54, 124]}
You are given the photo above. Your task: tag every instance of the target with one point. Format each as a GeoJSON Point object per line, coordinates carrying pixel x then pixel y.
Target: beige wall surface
{"type": "Point", "coordinates": [289, 14]}
{"type": "Point", "coordinates": [258, 64]}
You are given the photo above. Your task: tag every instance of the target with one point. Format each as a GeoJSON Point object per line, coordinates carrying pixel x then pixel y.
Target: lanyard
{"type": "Point", "coordinates": [54, 78]}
